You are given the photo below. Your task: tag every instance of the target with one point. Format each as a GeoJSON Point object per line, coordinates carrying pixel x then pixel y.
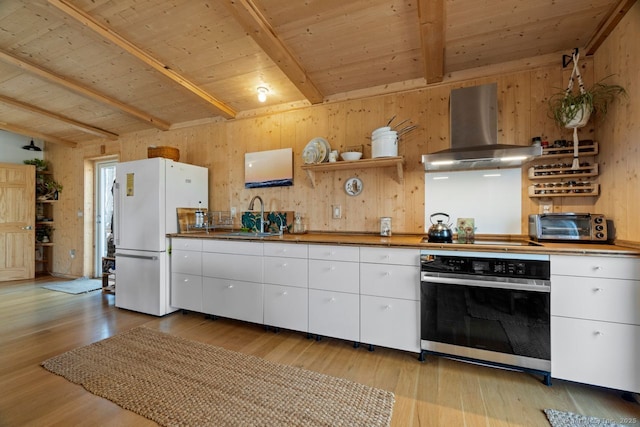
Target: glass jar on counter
{"type": "Point", "coordinates": [385, 226]}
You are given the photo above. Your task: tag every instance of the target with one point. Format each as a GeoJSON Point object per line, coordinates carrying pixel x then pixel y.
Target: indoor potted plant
{"type": "Point", "coordinates": [573, 110]}
{"type": "Point", "coordinates": [47, 188]}
{"type": "Point", "coordinates": [41, 165]}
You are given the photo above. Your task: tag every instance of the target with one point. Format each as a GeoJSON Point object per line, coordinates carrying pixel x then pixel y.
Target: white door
{"type": "Point", "coordinates": [141, 281]}
{"type": "Point", "coordinates": [140, 205]}
{"type": "Point", "coordinates": [105, 174]}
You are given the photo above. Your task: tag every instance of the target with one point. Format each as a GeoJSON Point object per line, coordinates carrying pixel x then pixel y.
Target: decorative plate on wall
{"type": "Point", "coordinates": [353, 186]}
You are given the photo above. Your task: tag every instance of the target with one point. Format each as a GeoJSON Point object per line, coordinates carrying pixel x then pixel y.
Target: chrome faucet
{"type": "Point", "coordinates": [261, 211]}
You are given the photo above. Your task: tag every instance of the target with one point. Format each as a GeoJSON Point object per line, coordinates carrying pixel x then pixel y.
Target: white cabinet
{"type": "Point", "coordinates": [286, 307]}
{"type": "Point", "coordinates": [595, 320]}
{"type": "Point", "coordinates": [334, 314]}
{"type": "Point", "coordinates": [390, 297]}
{"type": "Point", "coordinates": [286, 278]}
{"type": "Point", "coordinates": [360, 294]}
{"type": "Point", "coordinates": [186, 274]}
{"type": "Point", "coordinates": [233, 299]}
{"type": "Point", "coordinates": [232, 284]}
{"type": "Point", "coordinates": [334, 291]}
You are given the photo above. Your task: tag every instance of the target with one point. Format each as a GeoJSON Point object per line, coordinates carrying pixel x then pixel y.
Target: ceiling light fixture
{"type": "Point", "coordinates": [262, 93]}
{"type": "Point", "coordinates": [31, 147]}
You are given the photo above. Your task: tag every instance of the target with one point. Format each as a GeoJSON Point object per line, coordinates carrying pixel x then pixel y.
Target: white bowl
{"type": "Point", "coordinates": [351, 155]}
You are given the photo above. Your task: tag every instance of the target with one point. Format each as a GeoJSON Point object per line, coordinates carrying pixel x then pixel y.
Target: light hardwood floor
{"type": "Point", "coordinates": [36, 324]}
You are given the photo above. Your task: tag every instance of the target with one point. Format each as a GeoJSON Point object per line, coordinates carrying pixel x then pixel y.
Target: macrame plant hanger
{"type": "Point", "coordinates": [575, 73]}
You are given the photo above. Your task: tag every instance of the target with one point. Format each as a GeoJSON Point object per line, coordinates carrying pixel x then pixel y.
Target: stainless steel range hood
{"type": "Point", "coordinates": [474, 135]}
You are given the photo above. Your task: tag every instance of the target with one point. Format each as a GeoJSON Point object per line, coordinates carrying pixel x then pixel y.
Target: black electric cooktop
{"type": "Point", "coordinates": [488, 242]}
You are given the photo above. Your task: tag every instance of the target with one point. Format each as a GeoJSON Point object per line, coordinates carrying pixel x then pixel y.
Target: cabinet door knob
{"type": "Point", "coordinates": [597, 268]}
{"type": "Point", "coordinates": [284, 293]}
{"type": "Point", "coordinates": [598, 333]}
{"type": "Point", "coordinates": [387, 273]}
{"type": "Point", "coordinates": [598, 289]}
{"type": "Point", "coordinates": [185, 280]}
{"type": "Point", "coordinates": [387, 307]}
{"type": "Point", "coordinates": [229, 286]}
{"type": "Point", "coordinates": [332, 299]}
{"type": "Point", "coordinates": [28, 227]}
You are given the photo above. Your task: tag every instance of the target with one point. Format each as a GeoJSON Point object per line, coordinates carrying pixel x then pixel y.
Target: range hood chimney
{"type": "Point", "coordinates": [474, 135]}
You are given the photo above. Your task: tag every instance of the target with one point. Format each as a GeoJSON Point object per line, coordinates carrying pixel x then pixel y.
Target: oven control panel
{"type": "Point", "coordinates": [525, 268]}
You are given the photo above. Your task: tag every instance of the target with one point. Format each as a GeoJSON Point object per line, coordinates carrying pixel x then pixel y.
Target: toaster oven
{"type": "Point", "coordinates": [569, 227]}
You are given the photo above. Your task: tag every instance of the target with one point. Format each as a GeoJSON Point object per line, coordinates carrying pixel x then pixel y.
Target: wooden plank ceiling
{"type": "Point", "coordinates": [77, 70]}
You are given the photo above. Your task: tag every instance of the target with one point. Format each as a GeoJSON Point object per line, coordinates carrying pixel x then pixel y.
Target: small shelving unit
{"type": "Point", "coordinates": [380, 162]}
{"type": "Point", "coordinates": [44, 250]}
{"type": "Point", "coordinates": [559, 179]}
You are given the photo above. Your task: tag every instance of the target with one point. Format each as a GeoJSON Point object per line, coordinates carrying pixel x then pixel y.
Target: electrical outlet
{"type": "Point", "coordinates": [233, 211]}
{"type": "Point", "coordinates": [336, 211]}
{"type": "Point", "coordinates": [546, 206]}
{"type": "Point", "coordinates": [72, 253]}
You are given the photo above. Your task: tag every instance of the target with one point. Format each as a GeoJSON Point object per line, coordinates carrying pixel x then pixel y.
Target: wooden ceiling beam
{"type": "Point", "coordinates": [608, 24]}
{"type": "Point", "coordinates": [256, 25]}
{"type": "Point", "coordinates": [31, 133]}
{"type": "Point", "coordinates": [115, 38]}
{"type": "Point", "coordinates": [78, 125]}
{"type": "Point", "coordinates": [83, 90]}
{"type": "Point", "coordinates": [431, 14]}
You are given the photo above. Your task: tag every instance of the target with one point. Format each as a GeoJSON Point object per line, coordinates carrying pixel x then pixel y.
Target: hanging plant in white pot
{"type": "Point", "coordinates": [573, 110]}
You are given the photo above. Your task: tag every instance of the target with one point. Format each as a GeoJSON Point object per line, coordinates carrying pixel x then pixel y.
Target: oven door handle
{"type": "Point", "coordinates": [544, 287]}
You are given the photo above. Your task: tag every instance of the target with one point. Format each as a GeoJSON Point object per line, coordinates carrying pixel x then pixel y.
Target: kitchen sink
{"type": "Point", "coordinates": [248, 234]}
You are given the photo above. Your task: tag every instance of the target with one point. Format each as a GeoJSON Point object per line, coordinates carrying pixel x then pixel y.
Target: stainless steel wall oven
{"type": "Point", "coordinates": [487, 307]}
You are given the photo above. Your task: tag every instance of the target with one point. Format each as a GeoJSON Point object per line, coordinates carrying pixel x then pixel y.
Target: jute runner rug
{"type": "Point", "coordinates": [178, 382]}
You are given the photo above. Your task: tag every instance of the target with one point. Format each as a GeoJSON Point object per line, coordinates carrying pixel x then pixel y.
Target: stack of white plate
{"type": "Point", "coordinates": [316, 151]}
{"type": "Point", "coordinates": [384, 142]}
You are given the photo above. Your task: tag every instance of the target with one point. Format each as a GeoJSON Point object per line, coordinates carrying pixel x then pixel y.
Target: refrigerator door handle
{"type": "Point", "coordinates": [117, 223]}
{"type": "Point", "coordinates": [153, 258]}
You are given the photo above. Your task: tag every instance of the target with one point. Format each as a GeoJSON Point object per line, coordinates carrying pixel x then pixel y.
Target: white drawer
{"type": "Point", "coordinates": [186, 291]}
{"type": "Point", "coordinates": [334, 276]}
{"type": "Point", "coordinates": [599, 353]}
{"type": "Point", "coordinates": [338, 253]}
{"type": "Point", "coordinates": [334, 314]}
{"type": "Point", "coordinates": [233, 299]}
{"type": "Point", "coordinates": [390, 256]}
{"type": "Point", "coordinates": [386, 280]}
{"type": "Point", "coordinates": [186, 244]}
{"type": "Point", "coordinates": [286, 271]}
{"type": "Point", "coordinates": [390, 322]}
{"type": "Point", "coordinates": [236, 267]}
{"type": "Point", "coordinates": [612, 300]}
{"type": "Point", "coordinates": [593, 266]}
{"type": "Point", "coordinates": [290, 250]}
{"type": "Point", "coordinates": [232, 247]}
{"type": "Point", "coordinates": [286, 307]}
{"type": "Point", "coordinates": [186, 262]}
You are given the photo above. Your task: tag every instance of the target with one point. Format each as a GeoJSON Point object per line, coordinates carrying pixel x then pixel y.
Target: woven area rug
{"type": "Point", "coordinates": [569, 419]}
{"type": "Point", "coordinates": [78, 286]}
{"type": "Point", "coordinates": [177, 382]}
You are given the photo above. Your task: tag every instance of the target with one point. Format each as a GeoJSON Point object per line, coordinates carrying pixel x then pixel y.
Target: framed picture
{"type": "Point", "coordinates": [273, 168]}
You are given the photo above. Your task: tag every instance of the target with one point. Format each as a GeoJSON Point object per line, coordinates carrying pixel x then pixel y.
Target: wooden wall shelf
{"type": "Point", "coordinates": [558, 179]}
{"type": "Point", "coordinates": [559, 152]}
{"type": "Point", "coordinates": [381, 162]}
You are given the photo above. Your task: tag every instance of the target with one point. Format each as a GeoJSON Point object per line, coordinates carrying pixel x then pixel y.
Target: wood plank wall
{"type": "Point", "coordinates": [619, 133]}
{"type": "Point", "coordinates": [221, 146]}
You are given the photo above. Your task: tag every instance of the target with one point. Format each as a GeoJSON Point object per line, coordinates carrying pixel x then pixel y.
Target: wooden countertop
{"type": "Point", "coordinates": [416, 241]}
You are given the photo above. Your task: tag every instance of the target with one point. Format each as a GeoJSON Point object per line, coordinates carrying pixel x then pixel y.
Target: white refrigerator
{"type": "Point", "coordinates": [147, 193]}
